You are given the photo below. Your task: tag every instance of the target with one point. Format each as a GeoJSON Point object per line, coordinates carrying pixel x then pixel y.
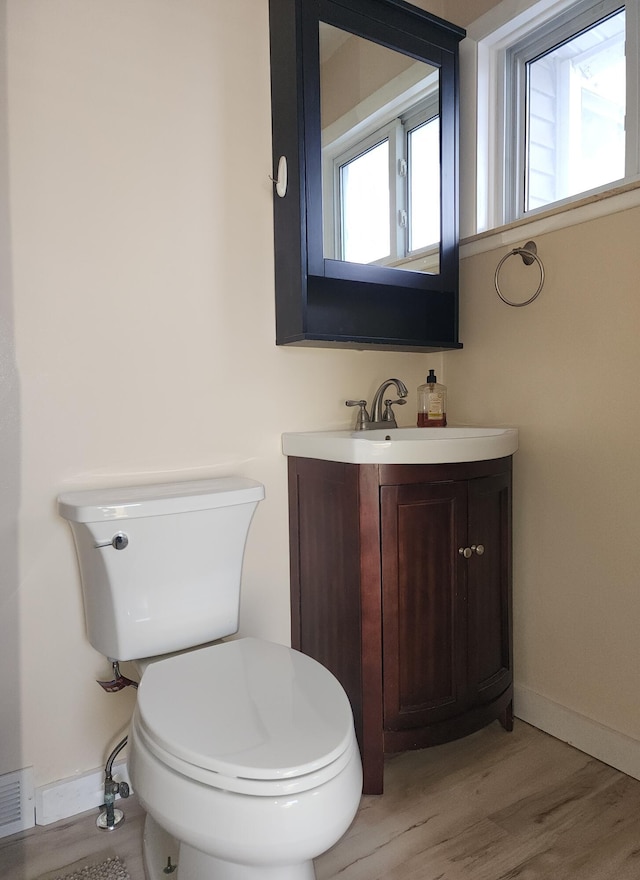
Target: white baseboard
{"type": "Point", "coordinates": [68, 797]}
{"type": "Point", "coordinates": [589, 736]}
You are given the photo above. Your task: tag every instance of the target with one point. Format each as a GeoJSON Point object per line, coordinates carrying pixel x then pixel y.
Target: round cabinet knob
{"type": "Point", "coordinates": [479, 548]}
{"type": "Point", "coordinates": [465, 551]}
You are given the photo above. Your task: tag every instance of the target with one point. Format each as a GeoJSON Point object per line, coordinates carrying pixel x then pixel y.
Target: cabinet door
{"type": "Point", "coordinates": [325, 569]}
{"type": "Point", "coordinates": [489, 587]}
{"type": "Point", "coordinates": [424, 628]}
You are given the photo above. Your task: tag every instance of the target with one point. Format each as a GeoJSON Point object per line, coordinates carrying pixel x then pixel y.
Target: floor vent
{"type": "Point", "coordinates": [16, 802]}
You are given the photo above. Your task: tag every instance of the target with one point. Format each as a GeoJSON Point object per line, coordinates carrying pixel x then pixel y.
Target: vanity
{"type": "Point", "coordinates": [400, 548]}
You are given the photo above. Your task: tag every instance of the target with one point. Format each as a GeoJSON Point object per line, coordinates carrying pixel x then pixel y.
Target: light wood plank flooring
{"type": "Point", "coordinates": [493, 806]}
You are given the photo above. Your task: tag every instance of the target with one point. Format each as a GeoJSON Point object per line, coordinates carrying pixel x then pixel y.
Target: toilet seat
{"type": "Point", "coordinates": [246, 716]}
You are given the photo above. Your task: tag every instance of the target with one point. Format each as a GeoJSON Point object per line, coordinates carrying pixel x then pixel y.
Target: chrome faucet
{"type": "Point", "coordinates": [379, 418]}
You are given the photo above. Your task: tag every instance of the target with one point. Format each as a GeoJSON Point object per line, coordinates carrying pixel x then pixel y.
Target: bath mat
{"type": "Point", "coordinates": [101, 867]}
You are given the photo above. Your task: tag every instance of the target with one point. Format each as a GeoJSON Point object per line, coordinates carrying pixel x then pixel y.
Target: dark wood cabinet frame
{"type": "Point", "coordinates": [349, 608]}
{"type": "Point", "coordinates": [324, 302]}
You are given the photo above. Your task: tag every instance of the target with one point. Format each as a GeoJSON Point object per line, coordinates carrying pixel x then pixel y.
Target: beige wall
{"type": "Point", "coordinates": [141, 287]}
{"type": "Point", "coordinates": [460, 12]}
{"type": "Point", "coordinates": [565, 371]}
{"type": "Point", "coordinates": [353, 72]}
{"type": "Point", "coordinates": [10, 740]}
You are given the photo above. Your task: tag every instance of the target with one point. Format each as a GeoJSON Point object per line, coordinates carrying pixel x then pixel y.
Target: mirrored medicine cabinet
{"type": "Point", "coordinates": [365, 156]}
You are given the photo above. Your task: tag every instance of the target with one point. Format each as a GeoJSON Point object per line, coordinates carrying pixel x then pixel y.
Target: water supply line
{"type": "Point", "coordinates": [110, 817]}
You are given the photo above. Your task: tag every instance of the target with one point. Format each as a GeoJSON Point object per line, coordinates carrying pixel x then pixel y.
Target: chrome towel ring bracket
{"type": "Point", "coordinates": [529, 254]}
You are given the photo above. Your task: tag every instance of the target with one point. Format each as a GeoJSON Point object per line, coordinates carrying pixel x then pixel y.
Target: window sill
{"type": "Point", "coordinates": [621, 198]}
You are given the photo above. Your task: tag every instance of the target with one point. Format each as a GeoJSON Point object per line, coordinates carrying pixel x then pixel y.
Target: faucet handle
{"type": "Point", "coordinates": [363, 418]}
{"type": "Point", "coordinates": [388, 415]}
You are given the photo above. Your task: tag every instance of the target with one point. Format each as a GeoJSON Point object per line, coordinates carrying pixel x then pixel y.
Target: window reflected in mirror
{"type": "Point", "coordinates": [380, 119]}
{"type": "Point", "coordinates": [363, 222]}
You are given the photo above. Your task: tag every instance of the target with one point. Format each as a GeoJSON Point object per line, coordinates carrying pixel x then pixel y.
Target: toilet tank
{"type": "Point", "coordinates": [175, 582]}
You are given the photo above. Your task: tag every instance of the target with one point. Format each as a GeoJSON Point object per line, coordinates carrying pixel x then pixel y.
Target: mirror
{"type": "Point", "coordinates": [365, 119]}
{"type": "Point", "coordinates": [380, 115]}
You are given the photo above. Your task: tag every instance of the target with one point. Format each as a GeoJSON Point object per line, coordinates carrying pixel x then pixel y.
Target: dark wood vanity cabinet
{"type": "Point", "coordinates": [401, 586]}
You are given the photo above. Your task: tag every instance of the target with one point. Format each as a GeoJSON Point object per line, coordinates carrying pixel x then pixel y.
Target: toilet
{"type": "Point", "coordinates": [242, 752]}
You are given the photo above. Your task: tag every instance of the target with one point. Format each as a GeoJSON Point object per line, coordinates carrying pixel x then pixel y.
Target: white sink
{"type": "Point", "coordinates": [403, 445]}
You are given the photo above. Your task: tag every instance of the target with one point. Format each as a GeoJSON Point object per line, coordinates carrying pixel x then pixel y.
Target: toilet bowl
{"type": "Point", "coordinates": [242, 752]}
{"type": "Point", "coordinates": [245, 753]}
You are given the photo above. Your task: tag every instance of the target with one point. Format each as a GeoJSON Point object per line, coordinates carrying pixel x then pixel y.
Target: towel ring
{"type": "Point", "coordinates": [529, 254]}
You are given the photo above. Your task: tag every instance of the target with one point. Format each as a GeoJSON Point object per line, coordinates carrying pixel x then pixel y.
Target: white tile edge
{"type": "Point", "coordinates": [583, 733]}
{"type": "Point", "coordinates": [68, 797]}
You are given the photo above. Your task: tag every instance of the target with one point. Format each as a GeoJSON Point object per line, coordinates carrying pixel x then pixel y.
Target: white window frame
{"type": "Point", "coordinates": [417, 96]}
{"type": "Point", "coordinates": [484, 121]}
{"type": "Point", "coordinates": [392, 133]}
{"type": "Point", "coordinates": [425, 114]}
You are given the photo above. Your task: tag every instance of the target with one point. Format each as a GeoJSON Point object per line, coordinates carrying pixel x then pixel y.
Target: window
{"type": "Point", "coordinates": [381, 176]}
{"type": "Point", "coordinates": [423, 182]}
{"type": "Point", "coordinates": [378, 217]}
{"type": "Point", "coordinates": [568, 106]}
{"type": "Point", "coordinates": [364, 204]}
{"type": "Point", "coordinates": [564, 120]}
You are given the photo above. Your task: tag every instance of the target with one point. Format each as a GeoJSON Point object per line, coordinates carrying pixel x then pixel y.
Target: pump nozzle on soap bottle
{"type": "Point", "coordinates": [432, 403]}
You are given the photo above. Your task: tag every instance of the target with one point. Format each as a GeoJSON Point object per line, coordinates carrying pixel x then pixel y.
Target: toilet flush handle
{"type": "Point", "coordinates": [119, 542]}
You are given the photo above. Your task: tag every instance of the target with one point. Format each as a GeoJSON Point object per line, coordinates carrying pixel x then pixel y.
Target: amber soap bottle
{"type": "Point", "coordinates": [432, 403]}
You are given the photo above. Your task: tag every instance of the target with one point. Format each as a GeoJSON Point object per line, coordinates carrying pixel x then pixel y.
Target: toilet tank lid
{"type": "Point", "coordinates": [96, 505]}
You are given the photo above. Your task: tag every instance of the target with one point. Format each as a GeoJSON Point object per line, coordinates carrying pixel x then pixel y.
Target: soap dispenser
{"type": "Point", "coordinates": [432, 403]}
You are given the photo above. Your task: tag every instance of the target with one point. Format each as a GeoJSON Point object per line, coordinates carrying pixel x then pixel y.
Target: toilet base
{"type": "Point", "coordinates": [159, 852]}
{"type": "Point", "coordinates": [195, 865]}
{"type": "Point", "coordinates": [162, 851]}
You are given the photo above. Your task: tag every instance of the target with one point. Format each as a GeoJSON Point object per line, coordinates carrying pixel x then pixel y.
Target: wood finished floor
{"type": "Point", "coordinates": [493, 806]}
